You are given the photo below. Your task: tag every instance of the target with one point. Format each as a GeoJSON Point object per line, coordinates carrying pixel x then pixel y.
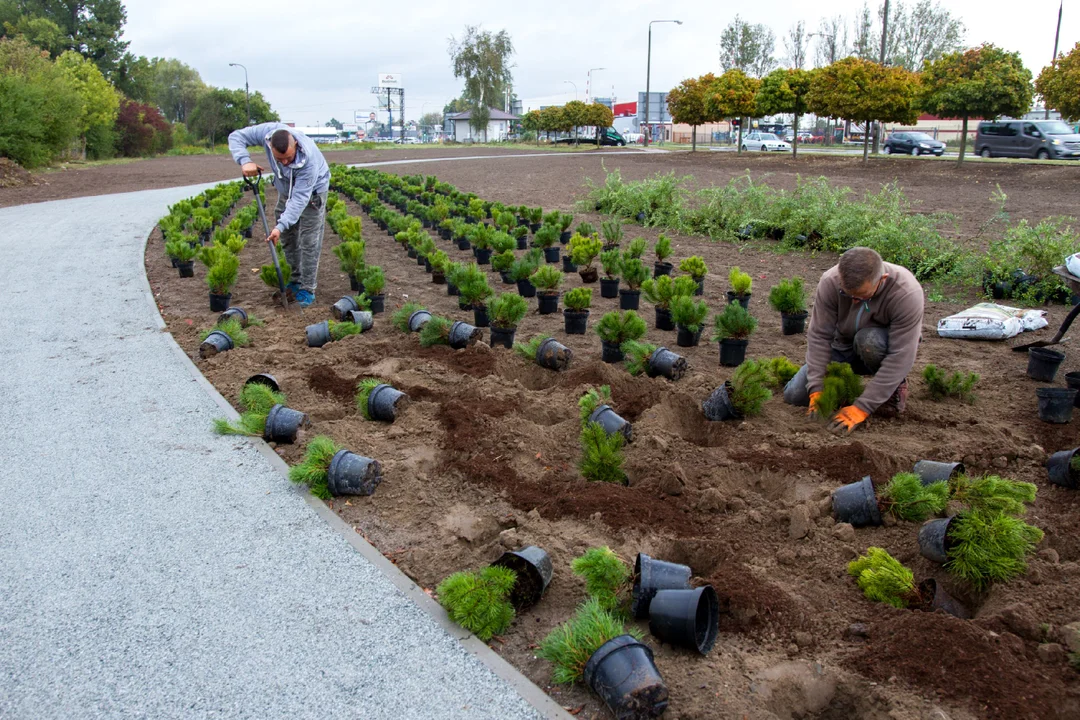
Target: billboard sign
{"type": "Point", "coordinates": [390, 80]}
{"type": "Point", "coordinates": [658, 110]}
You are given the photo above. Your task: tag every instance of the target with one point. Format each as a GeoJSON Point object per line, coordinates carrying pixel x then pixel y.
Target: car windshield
{"type": "Point", "coordinates": [1055, 128]}
{"type": "Point", "coordinates": [920, 136]}
{"type": "Point", "coordinates": [768, 136]}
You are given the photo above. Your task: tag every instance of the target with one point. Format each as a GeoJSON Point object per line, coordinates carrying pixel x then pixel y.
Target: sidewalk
{"type": "Point", "coordinates": [149, 568]}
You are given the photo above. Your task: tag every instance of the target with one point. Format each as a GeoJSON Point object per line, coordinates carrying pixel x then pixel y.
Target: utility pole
{"type": "Point", "coordinates": [1057, 36]}
{"type": "Point", "coordinates": [247, 98]}
{"type": "Point", "coordinates": [884, 40]}
{"type": "Point", "coordinates": [648, 75]}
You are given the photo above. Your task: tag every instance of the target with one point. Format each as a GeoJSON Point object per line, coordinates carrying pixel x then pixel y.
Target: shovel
{"type": "Point", "coordinates": [254, 185]}
{"type": "Point", "coordinates": [1074, 285]}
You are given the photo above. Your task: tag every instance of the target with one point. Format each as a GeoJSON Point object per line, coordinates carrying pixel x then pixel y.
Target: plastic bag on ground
{"type": "Point", "coordinates": [989, 321]}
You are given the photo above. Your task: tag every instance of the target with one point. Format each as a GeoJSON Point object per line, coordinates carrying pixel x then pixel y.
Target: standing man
{"type": "Point", "coordinates": [867, 313]}
{"type": "Point", "coordinates": [302, 179]}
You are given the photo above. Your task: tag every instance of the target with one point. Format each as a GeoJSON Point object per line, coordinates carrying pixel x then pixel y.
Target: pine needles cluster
{"type": "Point", "coordinates": [988, 547]}
{"type": "Point", "coordinates": [687, 313]}
{"type": "Point", "coordinates": [617, 327]}
{"type": "Point", "coordinates": [363, 392]}
{"type": "Point", "coordinates": [592, 399]}
{"type": "Point", "coordinates": [232, 328]}
{"type": "Point", "coordinates": [607, 577]}
{"type": "Point", "coordinates": [882, 578]}
{"type": "Point", "coordinates": [435, 331]}
{"type": "Point", "coordinates": [734, 322]}
{"type": "Point", "coordinates": [993, 493]}
{"type": "Point", "coordinates": [841, 388]}
{"type": "Point", "coordinates": [479, 601]}
{"type": "Point", "coordinates": [314, 469]}
{"type": "Point", "coordinates": [749, 384]}
{"type": "Point", "coordinates": [780, 370]}
{"type": "Point", "coordinates": [340, 330]}
{"type": "Point", "coordinates": [569, 646]}
{"type": "Point", "coordinates": [528, 350]}
{"type": "Point", "coordinates": [788, 296]}
{"type": "Point", "coordinates": [400, 318]}
{"type": "Point", "coordinates": [256, 400]}
{"type": "Point", "coordinates": [660, 291]}
{"type": "Point", "coordinates": [601, 455]}
{"type": "Point", "coordinates": [906, 498]}
{"type": "Point", "coordinates": [695, 267]}
{"type": "Point", "coordinates": [941, 385]}
{"type": "Point", "coordinates": [741, 282]}
{"type": "Point", "coordinates": [637, 355]}
{"type": "Point", "coordinates": [268, 274]}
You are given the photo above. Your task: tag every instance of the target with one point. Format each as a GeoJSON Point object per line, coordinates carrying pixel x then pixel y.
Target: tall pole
{"type": "Point", "coordinates": [247, 96]}
{"type": "Point", "coordinates": [588, 85]}
{"type": "Point", "coordinates": [884, 40]}
{"type": "Point", "coordinates": [648, 74]}
{"type": "Point", "coordinates": [1057, 36]}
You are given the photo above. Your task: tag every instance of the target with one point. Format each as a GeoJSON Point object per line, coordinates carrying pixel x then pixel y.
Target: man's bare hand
{"type": "Point", "coordinates": [250, 169]}
{"type": "Point", "coordinates": [273, 236]}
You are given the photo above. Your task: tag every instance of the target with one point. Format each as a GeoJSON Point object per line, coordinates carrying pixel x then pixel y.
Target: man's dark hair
{"type": "Point", "coordinates": [858, 266]}
{"type": "Point", "coordinates": [280, 140]}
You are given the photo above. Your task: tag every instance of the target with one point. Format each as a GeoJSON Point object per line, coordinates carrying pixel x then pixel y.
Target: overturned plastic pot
{"type": "Point", "coordinates": [462, 335]}
{"type": "Point", "coordinates": [553, 355]}
{"type": "Point", "coordinates": [623, 674]}
{"type": "Point", "coordinates": [264, 379]}
{"type": "Point", "coordinates": [793, 323]}
{"type": "Point", "coordinates": [1056, 404]}
{"type": "Point", "coordinates": [934, 539]}
{"type": "Point", "coordinates": [282, 424]}
{"type": "Point", "coordinates": [362, 318]}
{"type": "Point", "coordinates": [935, 597]}
{"type": "Point", "coordinates": [352, 474]}
{"type": "Point", "coordinates": [1043, 364]}
{"type": "Point", "coordinates": [689, 618]}
{"type": "Point", "coordinates": [216, 342]}
{"type": "Point", "coordinates": [856, 503]}
{"type": "Point", "coordinates": [664, 363]}
{"type": "Point", "coordinates": [234, 313]}
{"type": "Point", "coordinates": [718, 406]}
{"type": "Point", "coordinates": [384, 401]}
{"type": "Point", "coordinates": [318, 334]}
{"type": "Point", "coordinates": [612, 422]}
{"type": "Point", "coordinates": [534, 570]}
{"type": "Point", "coordinates": [931, 471]}
{"type": "Point", "coordinates": [1060, 471]}
{"type": "Point", "coordinates": [343, 307]}
{"type": "Point", "coordinates": [418, 319]}
{"type": "Point", "coordinates": [651, 576]}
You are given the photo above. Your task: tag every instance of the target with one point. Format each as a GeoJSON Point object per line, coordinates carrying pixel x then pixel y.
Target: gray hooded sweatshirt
{"type": "Point", "coordinates": [308, 172]}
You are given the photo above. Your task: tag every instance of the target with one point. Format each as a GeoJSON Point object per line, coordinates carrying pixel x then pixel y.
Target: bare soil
{"type": "Point", "coordinates": [483, 459]}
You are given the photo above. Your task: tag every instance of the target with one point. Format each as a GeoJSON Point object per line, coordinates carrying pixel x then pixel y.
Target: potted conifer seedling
{"type": "Point", "coordinates": [225, 335]}
{"type": "Point", "coordinates": [696, 268]}
{"type": "Point", "coordinates": [534, 216]}
{"type": "Point", "coordinates": [742, 396]}
{"type": "Point", "coordinates": [522, 270]}
{"type": "Point", "coordinates": [584, 250]}
{"type": "Point", "coordinates": [576, 315]}
{"type": "Point", "coordinates": [481, 237]}
{"type": "Point", "coordinates": [329, 470]}
{"type": "Point", "coordinates": [547, 280]}
{"type": "Point", "coordinates": [440, 263]}
{"type": "Point", "coordinates": [634, 273]}
{"type": "Point", "coordinates": [374, 282]}
{"type": "Point", "coordinates": [612, 232]}
{"type": "Point", "coordinates": [376, 400]}
{"type": "Point", "coordinates": [788, 297]}
{"type": "Point", "coordinates": [547, 239]}
{"type": "Point", "coordinates": [635, 249]}
{"type": "Point", "coordinates": [689, 317]}
{"type": "Point", "coordinates": [653, 361]}
{"type": "Point", "coordinates": [479, 601]}
{"type": "Point", "coordinates": [182, 253]}
{"type": "Point", "coordinates": [660, 291]}
{"type": "Point", "coordinates": [502, 263]}
{"type": "Point", "coordinates": [474, 290]}
{"type": "Point", "coordinates": [350, 256]}
{"type": "Point", "coordinates": [221, 276]}
{"type": "Point", "coordinates": [546, 352]}
{"type": "Point", "coordinates": [662, 250]}
{"type": "Point", "coordinates": [505, 312]}
{"type": "Point", "coordinates": [458, 335]}
{"type": "Point", "coordinates": [614, 329]}
{"type": "Point", "coordinates": [601, 454]}
{"type": "Point", "coordinates": [565, 221]}
{"type": "Point", "coordinates": [741, 283]}
{"type": "Point", "coordinates": [611, 260]}
{"type": "Point", "coordinates": [980, 546]}
{"type": "Point", "coordinates": [734, 325]}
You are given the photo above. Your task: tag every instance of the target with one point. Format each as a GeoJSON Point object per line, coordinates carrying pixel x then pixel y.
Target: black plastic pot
{"type": "Point", "coordinates": [462, 335]}
{"type": "Point", "coordinates": [700, 287]}
{"type": "Point", "coordinates": [502, 336]}
{"type": "Point", "coordinates": [611, 352]}
{"type": "Point", "coordinates": [522, 243]}
{"type": "Point", "coordinates": [451, 289]}
{"type": "Point", "coordinates": [383, 401]}
{"type": "Point", "coordinates": [743, 300]}
{"type": "Point", "coordinates": [718, 405]}
{"type": "Point", "coordinates": [355, 285]}
{"type": "Point", "coordinates": [662, 268]}
{"type": "Point", "coordinates": [856, 503]}
{"type": "Point", "coordinates": [418, 319]}
{"type": "Point", "coordinates": [463, 304]}
{"type": "Point", "coordinates": [234, 313]}
{"type": "Point", "coordinates": [793, 324]}
{"type": "Point", "coordinates": [363, 318]}
{"type": "Point", "coordinates": [689, 618]}
{"type": "Point", "coordinates": [664, 363]}
{"type": "Point", "coordinates": [534, 570]}
{"type": "Point", "coordinates": [1072, 380]}
{"type": "Point", "coordinates": [264, 379]}
{"type": "Point", "coordinates": [609, 287]}
{"type": "Point", "coordinates": [732, 352]}
{"type": "Point", "coordinates": [1059, 469]}
{"type": "Point", "coordinates": [575, 323]}
{"type": "Point", "coordinates": [934, 540]}
{"type": "Point", "coordinates": [551, 254]}
{"type": "Point", "coordinates": [548, 302]}
{"type": "Point", "coordinates": [216, 342]}
{"type": "Point", "coordinates": [564, 237]}
{"type": "Point", "coordinates": [425, 262]}
{"type": "Point", "coordinates": [936, 598]}
{"type": "Point", "coordinates": [378, 303]}
{"type": "Point", "coordinates": [219, 303]}
{"type": "Point", "coordinates": [533, 227]}
{"type": "Point", "coordinates": [186, 269]}
{"type": "Point", "coordinates": [506, 278]}
{"type": "Point", "coordinates": [343, 307]}
{"type": "Point", "coordinates": [282, 424]}
{"type": "Point", "coordinates": [463, 244]}
{"type": "Point", "coordinates": [411, 252]}
{"type": "Point", "coordinates": [480, 316]}
{"type": "Point", "coordinates": [567, 265]}
{"type": "Point", "coordinates": [352, 474]}
{"type": "Point", "coordinates": [1056, 404]}
{"type": "Point", "coordinates": [553, 355]}
{"type": "Point", "coordinates": [589, 276]}
{"type": "Point", "coordinates": [1043, 364]}
{"type": "Point", "coordinates": [623, 674]}
{"type": "Point", "coordinates": [612, 422]}
{"type": "Point", "coordinates": [931, 471]}
{"type": "Point", "coordinates": [438, 277]}
{"type": "Point", "coordinates": [663, 319]}
{"type": "Point", "coordinates": [687, 338]}
{"type": "Point", "coordinates": [526, 288]}
{"type": "Point", "coordinates": [629, 299]}
{"type": "Point", "coordinates": [173, 261]}
{"type": "Point", "coordinates": [483, 256]}
{"type": "Point", "coordinates": [650, 576]}
{"type": "Point", "coordinates": [318, 334]}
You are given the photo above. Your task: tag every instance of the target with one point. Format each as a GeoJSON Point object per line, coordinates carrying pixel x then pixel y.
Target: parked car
{"type": "Point", "coordinates": [765, 142]}
{"type": "Point", "coordinates": [913, 143]}
{"type": "Point", "coordinates": [633, 138]}
{"type": "Point", "coordinates": [1042, 139]}
{"type": "Point", "coordinates": [610, 136]}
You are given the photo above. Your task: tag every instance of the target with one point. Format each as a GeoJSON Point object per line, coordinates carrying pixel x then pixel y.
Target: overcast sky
{"type": "Point", "coordinates": [319, 59]}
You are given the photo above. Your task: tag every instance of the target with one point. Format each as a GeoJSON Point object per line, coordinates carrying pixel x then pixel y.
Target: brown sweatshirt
{"type": "Point", "coordinates": [835, 318]}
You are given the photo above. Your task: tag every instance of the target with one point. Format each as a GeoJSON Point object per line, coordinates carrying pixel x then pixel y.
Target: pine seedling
{"type": "Point", "coordinates": [503, 261]}
{"type": "Point", "coordinates": [613, 232]}
{"type": "Point", "coordinates": [734, 322]}
{"type": "Point", "coordinates": [524, 267]}
{"type": "Point", "coordinates": [695, 267]}
{"type": "Point", "coordinates": [987, 547]}
{"type": "Point", "coordinates": [906, 498]}
{"type": "Point", "coordinates": [547, 279]}
{"type": "Point", "coordinates": [882, 578]}
{"type": "Point", "coordinates": [780, 371]}
{"type": "Point", "coordinates": [993, 493]}
{"type": "Point", "coordinates": [565, 220]}
{"type": "Point", "coordinates": [841, 388]}
{"type": "Point", "coordinates": [473, 286]}
{"type": "Point", "coordinates": [479, 601]}
{"type": "Point", "coordinates": [569, 646]}
{"type": "Point", "coordinates": [504, 243]}
{"type": "Point", "coordinates": [528, 350]}
{"type": "Point", "coordinates": [233, 329]}
{"type": "Point", "coordinates": [592, 399]}
{"type": "Point", "coordinates": [363, 302]}
{"type": "Point", "coordinates": [601, 455]}
{"type": "Point", "coordinates": [436, 331]}
{"type": "Point", "coordinates": [741, 282]}
{"type": "Point", "coordinates": [662, 249]}
{"type": "Point", "coordinates": [180, 249]}
{"type": "Point", "coordinates": [546, 236]}
{"type": "Point", "coordinates": [687, 313]}
{"type": "Point", "coordinates": [314, 469]}
{"type": "Point", "coordinates": [617, 327]}
{"type": "Point", "coordinates": [341, 330]}
{"type": "Point", "coordinates": [607, 577]}
{"type": "Point", "coordinates": [222, 274]}
{"type": "Point", "coordinates": [268, 274]}
{"type": "Point", "coordinates": [637, 356]}
{"type": "Point", "coordinates": [586, 229]}
{"type": "Point", "coordinates": [363, 392]}
{"type": "Point", "coordinates": [400, 318]}
{"type": "Point", "coordinates": [634, 272]}
{"type": "Point", "coordinates": [578, 299]}
{"type": "Point", "coordinates": [583, 250]}
{"type": "Point", "coordinates": [941, 385]}
{"type": "Point", "coordinates": [749, 388]}
{"type": "Point", "coordinates": [635, 249]}
{"type": "Point", "coordinates": [788, 296]}
{"type": "Point", "coordinates": [257, 400]}
{"type": "Point", "coordinates": [611, 261]}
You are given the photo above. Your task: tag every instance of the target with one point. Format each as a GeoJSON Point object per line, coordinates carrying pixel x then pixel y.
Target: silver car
{"type": "Point", "coordinates": [765, 142]}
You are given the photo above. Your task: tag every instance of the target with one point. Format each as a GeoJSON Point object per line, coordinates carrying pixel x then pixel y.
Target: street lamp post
{"type": "Point", "coordinates": [247, 98]}
{"type": "Point", "coordinates": [588, 86]}
{"type": "Point", "coordinates": [648, 74]}
{"type": "Point", "coordinates": [574, 84]}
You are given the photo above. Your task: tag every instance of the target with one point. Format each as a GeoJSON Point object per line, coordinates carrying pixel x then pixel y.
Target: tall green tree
{"type": "Point", "coordinates": [576, 114]}
{"type": "Point", "coordinates": [531, 122]}
{"type": "Point", "coordinates": [982, 82]}
{"type": "Point", "coordinates": [176, 88]}
{"type": "Point", "coordinates": [99, 103]}
{"type": "Point", "coordinates": [1059, 84]}
{"type": "Point", "coordinates": [599, 117]}
{"type": "Point", "coordinates": [219, 111]}
{"type": "Point", "coordinates": [687, 104]}
{"type": "Point", "coordinates": [91, 28]}
{"type": "Point", "coordinates": [785, 91]}
{"type": "Point", "coordinates": [134, 77]}
{"type": "Point", "coordinates": [747, 47]}
{"type": "Point", "coordinates": [482, 58]}
{"type": "Point", "coordinates": [335, 123]}
{"type": "Point", "coordinates": [733, 95]}
{"type": "Point", "coordinates": [39, 31]}
{"type": "Point", "coordinates": [553, 119]}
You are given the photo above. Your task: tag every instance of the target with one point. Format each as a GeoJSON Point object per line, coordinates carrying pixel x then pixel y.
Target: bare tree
{"type": "Point", "coordinates": [795, 46]}
{"type": "Point", "coordinates": [747, 47]}
{"type": "Point", "coordinates": [924, 32]}
{"type": "Point", "coordinates": [832, 44]}
{"type": "Point", "coordinates": [864, 41]}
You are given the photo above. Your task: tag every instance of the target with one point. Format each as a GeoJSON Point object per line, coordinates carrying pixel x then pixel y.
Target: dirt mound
{"type": "Point", "coordinates": [13, 175]}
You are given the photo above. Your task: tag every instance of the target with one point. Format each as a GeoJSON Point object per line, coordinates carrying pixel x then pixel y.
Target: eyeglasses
{"type": "Point", "coordinates": [857, 299]}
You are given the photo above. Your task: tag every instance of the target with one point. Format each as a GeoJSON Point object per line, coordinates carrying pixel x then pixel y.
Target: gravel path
{"type": "Point", "coordinates": [136, 579]}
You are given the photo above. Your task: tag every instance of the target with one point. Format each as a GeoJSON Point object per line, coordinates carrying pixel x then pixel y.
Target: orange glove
{"type": "Point", "coordinates": [847, 419]}
{"type": "Point", "coordinates": [813, 403]}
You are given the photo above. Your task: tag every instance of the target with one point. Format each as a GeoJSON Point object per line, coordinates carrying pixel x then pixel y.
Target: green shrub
{"type": "Point", "coordinates": [611, 260]}
{"type": "Point", "coordinates": [749, 391]}
{"type": "Point", "coordinates": [180, 249]}
{"type": "Point", "coordinates": [634, 272]}
{"type": "Point", "coordinates": [993, 493]}
{"type": "Point", "coordinates": [780, 371]}
{"type": "Point", "coordinates": [312, 471]}
{"type": "Point", "coordinates": [841, 388]}
{"type": "Point", "coordinates": [528, 350]}
{"type": "Point", "coordinates": [734, 322]}
{"type": "Point", "coordinates": [503, 261]}
{"type": "Point", "coordinates": [592, 399]}
{"type": "Point", "coordinates": [351, 257]}
{"type": "Point", "coordinates": [617, 327]}
{"type": "Point", "coordinates": [222, 274]}
{"type": "Point", "coordinates": [788, 296]}
{"type": "Point", "coordinates": [636, 248]}
{"type": "Point", "coordinates": [583, 250]}
{"type": "Point", "coordinates": [607, 577]}
{"type": "Point", "coordinates": [479, 601]}
{"type": "Point", "coordinates": [363, 391]}
{"type": "Point", "coordinates": [882, 578]}
{"type": "Point", "coordinates": [695, 267]}
{"type": "Point", "coordinates": [578, 299]}
{"type": "Point", "coordinates": [546, 236]}
{"type": "Point", "coordinates": [741, 282]}
{"type": "Point", "coordinates": [233, 329]}
{"type": "Point", "coordinates": [503, 243]}
{"type": "Point", "coordinates": [507, 310]}
{"type": "Point", "coordinates": [472, 285]}
{"type": "Point", "coordinates": [256, 400]}
{"type": "Point", "coordinates": [1034, 250]}
{"type": "Point", "coordinates": [400, 318]}
{"type": "Point", "coordinates": [661, 198]}
{"type": "Point", "coordinates": [547, 279]}
{"type": "Point", "coordinates": [662, 249]}
{"type": "Point", "coordinates": [687, 313]}
{"type": "Point", "coordinates": [661, 290]}
{"type": "Point", "coordinates": [942, 386]}
{"type": "Point", "coordinates": [906, 498]}
{"type": "Point", "coordinates": [525, 266]}
{"type": "Point", "coordinates": [374, 280]}
{"type": "Point", "coordinates": [601, 455]}
{"type": "Point", "coordinates": [268, 274]}
{"type": "Point", "coordinates": [637, 356]}
{"type": "Point", "coordinates": [613, 233]}
{"type": "Point", "coordinates": [987, 547]}
{"type": "Point", "coordinates": [569, 646]}
{"type": "Point", "coordinates": [342, 330]}
{"type": "Point", "coordinates": [435, 331]}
